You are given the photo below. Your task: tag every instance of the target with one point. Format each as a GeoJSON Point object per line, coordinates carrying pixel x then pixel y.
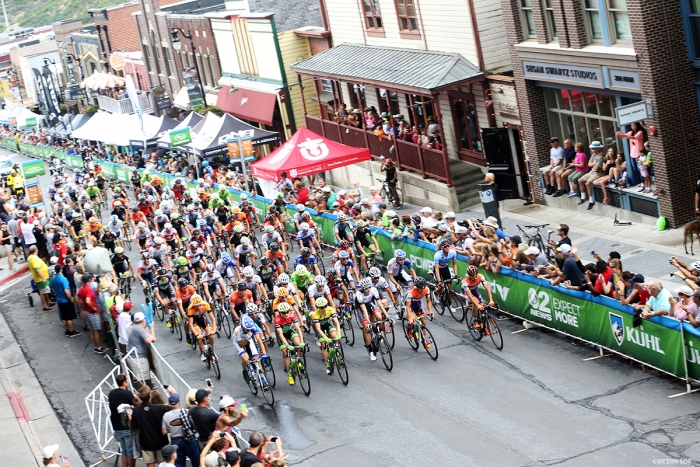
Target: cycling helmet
{"type": "Point", "coordinates": [445, 244]}
{"type": "Point", "coordinates": [283, 308]}
{"type": "Point", "coordinates": [159, 212]}
{"type": "Point", "coordinates": [251, 308]}
{"type": "Point", "coordinates": [305, 252]}
{"type": "Point", "coordinates": [236, 210]}
{"type": "Point", "coordinates": [117, 203]}
{"type": "Point", "coordinates": [208, 213]}
{"type": "Point", "coordinates": [284, 279]}
{"type": "Point", "coordinates": [245, 241]}
{"type": "Point", "coordinates": [282, 292]}
{"type": "Point", "coordinates": [248, 271]}
{"type": "Point", "coordinates": [93, 219]}
{"type": "Point", "coordinates": [274, 246]}
{"type": "Point", "coordinates": [421, 283]}
{"type": "Point", "coordinates": [269, 229]}
{"type": "Point", "coordinates": [238, 228]}
{"type": "Point", "coordinates": [304, 226]}
{"type": "Point", "coordinates": [119, 250]}
{"type": "Point", "coordinates": [134, 209]}
{"type": "Point", "coordinates": [365, 283]}
{"type": "Point", "coordinates": [181, 261]}
{"type": "Point", "coordinates": [359, 224]}
{"type": "Point", "coordinates": [174, 215]}
{"type": "Point", "coordinates": [342, 217]}
{"type": "Point", "coordinates": [196, 300]}
{"type": "Point", "coordinates": [182, 282]}
{"type": "Point", "coordinates": [472, 271]}
{"type": "Point", "coordinates": [194, 244]}
{"type": "Point", "coordinates": [159, 240]}
{"type": "Point", "coordinates": [168, 226]}
{"type": "Point", "coordinates": [375, 272]}
{"type": "Point", "coordinates": [321, 302]}
{"type": "Point", "coordinates": [343, 245]}
{"type": "Point", "coordinates": [201, 223]}
{"type": "Point", "coordinates": [141, 225]}
{"type": "Point", "coordinates": [320, 281]}
{"type": "Point", "coordinates": [344, 255]}
{"type": "Point", "coordinates": [225, 257]}
{"type": "Point", "coordinates": [301, 269]}
{"type": "Point", "coordinates": [247, 323]}
{"type": "Point", "coordinates": [241, 285]}
{"type": "Point", "coordinates": [162, 271]}
{"type": "Point", "coordinates": [114, 218]}
{"type": "Point", "coordinates": [265, 261]}
{"type": "Point", "coordinates": [145, 255]}
{"type": "Point", "coordinates": [105, 228]}
{"type": "Point", "coordinates": [332, 274]}
{"type": "Point", "coordinates": [210, 267]}
{"type": "Point", "coordinates": [244, 197]}
{"type": "Point", "coordinates": [91, 183]}
{"type": "Point", "coordinates": [76, 215]}
{"type": "Point", "coordinates": [300, 207]}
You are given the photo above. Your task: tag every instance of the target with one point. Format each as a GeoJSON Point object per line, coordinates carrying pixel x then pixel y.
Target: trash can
{"type": "Point", "coordinates": [489, 201]}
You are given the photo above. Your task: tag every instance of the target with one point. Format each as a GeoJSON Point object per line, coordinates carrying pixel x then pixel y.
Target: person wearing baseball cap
{"type": "Point", "coordinates": [179, 426]}
{"type": "Point", "coordinates": [570, 271]}
{"type": "Point", "coordinates": [169, 452]}
{"type": "Point", "coordinates": [230, 416]}
{"type": "Point", "coordinates": [203, 416]}
{"type": "Point", "coordinates": [51, 458]}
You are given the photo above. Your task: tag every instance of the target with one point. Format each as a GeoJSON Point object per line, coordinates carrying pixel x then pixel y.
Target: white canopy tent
{"type": "Point", "coordinates": [116, 129]}
{"type": "Point", "coordinates": [209, 129]}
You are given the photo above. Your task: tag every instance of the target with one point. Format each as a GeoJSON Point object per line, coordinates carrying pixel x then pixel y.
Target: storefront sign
{"type": "Point", "coordinates": [563, 73]}
{"type": "Point", "coordinates": [180, 137]}
{"type": "Point", "coordinates": [33, 169]}
{"type": "Point", "coordinates": [634, 112]}
{"type": "Point", "coordinates": [75, 92]}
{"type": "Point", "coordinates": [247, 145]}
{"type": "Point", "coordinates": [624, 79]}
{"type": "Point", "coordinates": [34, 194]}
{"type": "Point", "coordinates": [162, 100]}
{"type": "Point", "coordinates": [117, 61]}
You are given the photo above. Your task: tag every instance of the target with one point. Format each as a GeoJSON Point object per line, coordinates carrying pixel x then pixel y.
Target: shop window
{"type": "Point", "coordinates": [373, 18]}
{"type": "Point", "coordinates": [146, 57]}
{"type": "Point", "coordinates": [406, 11]}
{"type": "Point", "coordinates": [694, 19]}
{"type": "Point", "coordinates": [620, 19]}
{"type": "Point", "coordinates": [595, 25]}
{"type": "Point", "coordinates": [466, 123]}
{"type": "Point", "coordinates": [528, 18]}
{"type": "Point", "coordinates": [551, 25]}
{"type": "Point", "coordinates": [169, 65]}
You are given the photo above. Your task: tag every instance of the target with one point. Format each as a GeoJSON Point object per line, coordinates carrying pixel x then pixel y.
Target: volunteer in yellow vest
{"type": "Point", "coordinates": [16, 183]}
{"type": "Point", "coordinates": [40, 274]}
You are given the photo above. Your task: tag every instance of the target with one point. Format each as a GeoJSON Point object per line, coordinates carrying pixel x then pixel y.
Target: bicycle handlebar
{"type": "Point", "coordinates": [536, 226]}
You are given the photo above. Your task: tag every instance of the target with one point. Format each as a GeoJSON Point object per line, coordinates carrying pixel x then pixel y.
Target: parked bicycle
{"type": "Point", "coordinates": [393, 196]}
{"type": "Point", "coordinates": [537, 239]}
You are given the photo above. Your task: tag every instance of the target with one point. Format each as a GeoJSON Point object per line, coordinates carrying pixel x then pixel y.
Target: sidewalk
{"type": "Point", "coordinates": [27, 420]}
{"type": "Point", "coordinates": [6, 275]}
{"type": "Point", "coordinates": [643, 248]}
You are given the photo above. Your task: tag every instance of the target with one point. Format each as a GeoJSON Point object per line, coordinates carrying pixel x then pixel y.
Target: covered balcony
{"type": "Point", "coordinates": [124, 106]}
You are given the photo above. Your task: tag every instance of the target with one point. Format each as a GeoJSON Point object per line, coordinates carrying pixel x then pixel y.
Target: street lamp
{"type": "Point", "coordinates": [177, 45]}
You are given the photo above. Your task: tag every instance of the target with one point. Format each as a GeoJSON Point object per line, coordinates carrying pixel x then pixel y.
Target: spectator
{"type": "Point", "coordinates": [230, 418]}
{"type": "Point", "coordinates": [250, 455]}
{"type": "Point", "coordinates": [170, 456]}
{"type": "Point", "coordinates": [570, 271]}
{"type": "Point", "coordinates": [40, 274]}
{"type": "Point", "coordinates": [660, 302]}
{"type": "Point", "coordinates": [693, 319]}
{"type": "Point", "coordinates": [605, 283]}
{"type": "Point", "coordinates": [493, 223]}
{"type": "Point", "coordinates": [374, 195]}
{"type": "Point", "coordinates": [116, 397]}
{"type": "Point", "coordinates": [608, 167]}
{"type": "Point", "coordinates": [140, 338]}
{"type": "Point", "coordinates": [179, 426]}
{"type": "Point", "coordinates": [685, 306]}
{"type": "Point", "coordinates": [637, 136]}
{"type": "Point", "coordinates": [64, 299]}
{"type": "Point", "coordinates": [88, 302]}
{"type": "Point", "coordinates": [284, 181]}
{"type": "Point", "coordinates": [6, 241]}
{"type": "Point", "coordinates": [556, 158]}
{"type": "Point", "coordinates": [690, 274]}
{"type": "Point", "coordinates": [538, 258]}
{"type": "Point", "coordinates": [123, 322]}
{"type": "Point", "coordinates": [567, 168]}
{"type": "Point", "coordinates": [51, 457]}
{"type": "Point", "coordinates": [268, 458]}
{"type": "Point", "coordinates": [563, 232]}
{"type": "Point", "coordinates": [595, 164]}
{"type": "Point", "coordinates": [214, 452]}
{"type": "Point", "coordinates": [358, 190]}
{"type": "Point", "coordinates": [147, 418]}
{"type": "Point", "coordinates": [203, 416]}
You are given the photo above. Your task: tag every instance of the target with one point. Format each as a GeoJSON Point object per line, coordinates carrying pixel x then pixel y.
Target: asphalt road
{"type": "Point", "coordinates": [536, 402]}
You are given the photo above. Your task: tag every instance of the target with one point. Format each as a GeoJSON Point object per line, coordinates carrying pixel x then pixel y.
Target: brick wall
{"type": "Point", "coordinates": [63, 29]}
{"type": "Point", "coordinates": [120, 28]}
{"type": "Point", "coordinates": [561, 23]}
{"type": "Point", "coordinates": [204, 44]}
{"type": "Point", "coordinates": [667, 79]}
{"type": "Point", "coordinates": [576, 26]}
{"type": "Point", "coordinates": [540, 22]}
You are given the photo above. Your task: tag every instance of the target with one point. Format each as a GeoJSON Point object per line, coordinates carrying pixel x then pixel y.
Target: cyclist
{"type": "Point", "coordinates": [146, 271]}
{"type": "Point", "coordinates": [370, 309]}
{"type": "Point", "coordinates": [254, 284]}
{"type": "Point", "coordinates": [285, 283]}
{"type": "Point", "coordinates": [184, 271]}
{"type": "Point", "coordinates": [401, 272]}
{"type": "Point", "coordinates": [108, 239]}
{"type": "Point", "coordinates": [270, 236]}
{"type": "Point", "coordinates": [326, 324]}
{"type": "Point", "coordinates": [391, 177]}
{"type": "Point", "coordinates": [247, 339]}
{"type": "Point", "coordinates": [141, 234]}
{"type": "Point", "coordinates": [344, 245]}
{"type": "Point", "coordinates": [94, 227]}
{"type": "Point", "coordinates": [226, 267]}
{"type": "Point", "coordinates": [470, 289]}
{"type": "Point", "coordinates": [414, 305]}
{"type": "Point", "coordinates": [245, 254]}
{"type": "Point", "coordinates": [267, 274]}
{"type": "Point", "coordinates": [137, 218]}
{"type": "Point", "coordinates": [338, 290]}
{"type": "Point", "coordinates": [201, 317]}
{"type": "Point", "coordinates": [179, 225]}
{"type": "Point", "coordinates": [116, 226]}
{"type": "Point", "coordinates": [364, 239]}
{"type": "Point", "coordinates": [307, 259]}
{"type": "Point", "coordinates": [379, 283]}
{"type": "Point", "coordinates": [93, 192]}
{"type": "Point", "coordinates": [121, 263]}
{"type": "Point", "coordinates": [213, 285]}
{"type": "Point", "coordinates": [171, 237]}
{"type": "Point", "coordinates": [195, 255]}
{"type": "Point", "coordinates": [203, 235]}
{"type": "Point", "coordinates": [164, 290]}
{"type": "Point", "coordinates": [319, 289]}
{"type": "Point", "coordinates": [159, 252]}
{"type": "Point", "coordinates": [445, 256]}
{"type": "Point", "coordinates": [183, 294]}
{"type": "Point", "coordinates": [307, 237]}
{"type": "Point", "coordinates": [76, 226]}
{"type": "Point", "coordinates": [301, 278]}
{"type": "Point", "coordinates": [238, 300]}
{"type": "Point", "coordinates": [288, 333]}
{"type": "Point", "coordinates": [345, 267]}
{"type": "Point", "coordinates": [277, 258]}
{"type": "Point", "coordinates": [259, 319]}
{"type": "Point", "coordinates": [343, 228]}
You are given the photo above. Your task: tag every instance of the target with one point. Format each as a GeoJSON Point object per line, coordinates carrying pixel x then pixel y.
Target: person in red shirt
{"type": "Point", "coordinates": [605, 283]}
{"type": "Point", "coordinates": [302, 193]}
{"type": "Point", "coordinates": [61, 248]}
{"type": "Point", "coordinates": [88, 300]}
{"type": "Point", "coordinates": [637, 282]}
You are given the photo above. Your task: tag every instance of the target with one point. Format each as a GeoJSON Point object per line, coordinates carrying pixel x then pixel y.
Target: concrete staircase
{"type": "Point", "coordinates": [466, 177]}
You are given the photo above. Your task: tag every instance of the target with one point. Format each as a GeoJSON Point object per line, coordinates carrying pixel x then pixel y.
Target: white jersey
{"type": "Point", "coordinates": [315, 292]}
{"type": "Point", "coordinates": [226, 268]}
{"type": "Point", "coordinates": [267, 238]}
{"type": "Point", "coordinates": [365, 299]}
{"type": "Point", "coordinates": [208, 278]}
{"type": "Point", "coordinates": [161, 252]}
{"type": "Point", "coordinates": [252, 284]}
{"type": "Point", "coordinates": [115, 228]}
{"type": "Point", "coordinates": [381, 284]}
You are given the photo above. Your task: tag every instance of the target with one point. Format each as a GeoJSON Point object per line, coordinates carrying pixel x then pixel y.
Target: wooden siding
{"type": "Point", "coordinates": [224, 42]}
{"type": "Point", "coordinates": [492, 34]}
{"type": "Point", "coordinates": [447, 26]}
{"type": "Point", "coordinates": [293, 49]}
{"type": "Point", "coordinates": [346, 23]}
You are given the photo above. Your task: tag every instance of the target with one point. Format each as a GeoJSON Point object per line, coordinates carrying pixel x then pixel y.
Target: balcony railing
{"type": "Point", "coordinates": [123, 106]}
{"type": "Point", "coordinates": [408, 156]}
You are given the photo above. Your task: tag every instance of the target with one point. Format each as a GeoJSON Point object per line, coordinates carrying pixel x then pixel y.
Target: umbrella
{"type": "Point", "coordinates": [102, 81]}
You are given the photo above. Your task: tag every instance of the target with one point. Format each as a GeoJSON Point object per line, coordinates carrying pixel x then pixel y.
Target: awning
{"type": "Point", "coordinates": [250, 104]}
{"type": "Point", "coordinates": [408, 70]}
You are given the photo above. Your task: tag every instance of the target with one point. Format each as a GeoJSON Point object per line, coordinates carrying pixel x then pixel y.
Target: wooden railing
{"type": "Point", "coordinates": [123, 106]}
{"type": "Point", "coordinates": [408, 156]}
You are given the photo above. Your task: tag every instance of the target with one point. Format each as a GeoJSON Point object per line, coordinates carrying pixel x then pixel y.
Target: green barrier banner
{"type": "Point", "coordinates": [33, 169]}
{"type": "Point", "coordinates": [122, 174]}
{"type": "Point", "coordinates": [692, 353]}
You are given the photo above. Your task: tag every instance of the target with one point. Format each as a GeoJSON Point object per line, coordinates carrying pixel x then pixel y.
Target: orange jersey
{"type": "Point", "coordinates": [415, 294]}
{"type": "Point", "coordinates": [237, 299]}
{"type": "Point", "coordinates": [94, 227]}
{"type": "Point", "coordinates": [184, 295]}
{"type": "Point", "coordinates": [137, 217]}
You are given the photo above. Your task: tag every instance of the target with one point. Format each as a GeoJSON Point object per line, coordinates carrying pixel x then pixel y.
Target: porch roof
{"type": "Point", "coordinates": [417, 71]}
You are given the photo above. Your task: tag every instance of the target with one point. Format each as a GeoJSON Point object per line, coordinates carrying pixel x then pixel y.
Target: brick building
{"type": "Point", "coordinates": [115, 27]}
{"type": "Point", "coordinates": [576, 63]}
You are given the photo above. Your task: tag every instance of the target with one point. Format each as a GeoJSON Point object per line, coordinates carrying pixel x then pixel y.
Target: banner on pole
{"type": "Point", "coordinates": [33, 169]}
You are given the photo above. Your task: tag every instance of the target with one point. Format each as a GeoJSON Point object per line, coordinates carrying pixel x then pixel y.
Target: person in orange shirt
{"type": "Point", "coordinates": [239, 299]}
{"type": "Point", "coordinates": [136, 217]}
{"type": "Point", "coordinates": [200, 316]}
{"type": "Point", "coordinates": [94, 227]}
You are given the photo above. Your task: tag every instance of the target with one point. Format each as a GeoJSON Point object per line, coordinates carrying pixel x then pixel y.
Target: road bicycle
{"type": "Point", "coordinates": [173, 322]}
{"type": "Point", "coordinates": [211, 359]}
{"type": "Point", "coordinates": [419, 334]}
{"type": "Point", "coordinates": [128, 236]}
{"type": "Point", "coordinates": [444, 298]}
{"type": "Point", "coordinates": [336, 358]}
{"type": "Point", "coordinates": [345, 321]}
{"type": "Point", "coordinates": [483, 324]}
{"type": "Point", "coordinates": [222, 318]}
{"type": "Point", "coordinates": [297, 366]}
{"type": "Point", "coordinates": [538, 240]}
{"type": "Point", "coordinates": [261, 377]}
{"type": "Point", "coordinates": [125, 285]}
{"type": "Point", "coordinates": [379, 343]}
{"type": "Point", "coordinates": [393, 196]}
{"type": "Point", "coordinates": [370, 259]}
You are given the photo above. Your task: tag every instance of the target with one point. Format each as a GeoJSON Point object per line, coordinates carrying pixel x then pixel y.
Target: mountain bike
{"type": "Point", "coordinates": [537, 239]}
{"type": "Point", "coordinates": [393, 196]}
{"type": "Point", "coordinates": [297, 366]}
{"type": "Point", "coordinates": [336, 358]}
{"type": "Point", "coordinates": [211, 359]}
{"type": "Point", "coordinates": [483, 324]}
{"type": "Point", "coordinates": [419, 334]}
{"type": "Point", "coordinates": [258, 379]}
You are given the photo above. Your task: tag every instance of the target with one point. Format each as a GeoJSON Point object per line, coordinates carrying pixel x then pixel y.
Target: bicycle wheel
{"type": "Point", "coordinates": [388, 331]}
{"type": "Point", "coordinates": [429, 344]}
{"type": "Point", "coordinates": [340, 364]}
{"type": "Point", "coordinates": [270, 374]}
{"type": "Point", "coordinates": [495, 333]}
{"type": "Point", "coordinates": [384, 349]}
{"type": "Point", "coordinates": [127, 241]}
{"type": "Point", "coordinates": [436, 298]}
{"type": "Point", "coordinates": [457, 307]}
{"type": "Point", "coordinates": [476, 333]}
{"type": "Point", "coordinates": [303, 378]}
{"type": "Point", "coordinates": [267, 393]}
{"type": "Point", "coordinates": [178, 329]}
{"type": "Point", "coordinates": [348, 331]}
{"type": "Point", "coordinates": [224, 322]}
{"type": "Point", "coordinates": [215, 363]}
{"type": "Point", "coordinates": [321, 267]}
{"type": "Point", "coordinates": [397, 200]}
{"type": "Point", "coordinates": [252, 384]}
{"type": "Point", "coordinates": [158, 310]}
{"type": "Point", "coordinates": [207, 360]}
{"type": "Point", "coordinates": [409, 335]}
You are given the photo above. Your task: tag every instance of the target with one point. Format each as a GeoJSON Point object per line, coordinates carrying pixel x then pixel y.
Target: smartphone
{"type": "Point", "coordinates": [222, 435]}
{"type": "Point", "coordinates": [207, 383]}
{"type": "Point", "coordinates": [165, 386]}
{"type": "Point", "coordinates": [273, 439]}
{"type": "Point", "coordinates": [244, 407]}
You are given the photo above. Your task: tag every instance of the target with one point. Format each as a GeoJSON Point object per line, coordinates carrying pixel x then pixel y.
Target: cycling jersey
{"type": "Point", "coordinates": [267, 238]}
{"type": "Point", "coordinates": [211, 278]}
{"type": "Point", "coordinates": [226, 268]}
{"type": "Point", "coordinates": [341, 227]}
{"type": "Point", "coordinates": [307, 262]}
{"type": "Point", "coordinates": [164, 283]}
{"type": "Point", "coordinates": [265, 273]}
{"type": "Point", "coordinates": [323, 315]}
{"type": "Point", "coordinates": [145, 268]}
{"type": "Point", "coordinates": [168, 234]}
{"type": "Point", "coordinates": [344, 270]}
{"type": "Point", "coordinates": [472, 283]}
{"type": "Point", "coordinates": [94, 227]}
{"type": "Point", "coordinates": [199, 316]}
{"type": "Point", "coordinates": [194, 257]}
{"type": "Point", "coordinates": [184, 294]}
{"type": "Point", "coordinates": [276, 302]}
{"type": "Point", "coordinates": [301, 280]}
{"type": "Point", "coordinates": [274, 256]}
{"type": "Point", "coordinates": [116, 229]}
{"type": "Point", "coordinates": [290, 288]}
{"type": "Point", "coordinates": [367, 299]}
{"type": "Point", "coordinates": [236, 298]}
{"type": "Point", "coordinates": [444, 260]}
{"type": "Point", "coordinates": [287, 323]}
{"type": "Point", "coordinates": [252, 284]}
{"type": "Point", "coordinates": [248, 338]}
{"type": "Point", "coordinates": [315, 292]}
{"type": "Point", "coordinates": [141, 234]}
{"type": "Point", "coordinates": [306, 235]}
{"type": "Point", "coordinates": [120, 265]}
{"type": "Point", "coordinates": [381, 284]}
{"type": "Point", "coordinates": [244, 252]}
{"type": "Point", "coordinates": [414, 297]}
{"type": "Point", "coordinates": [158, 253]}
{"type": "Point", "coordinates": [182, 271]}
{"type": "Point", "coordinates": [364, 236]}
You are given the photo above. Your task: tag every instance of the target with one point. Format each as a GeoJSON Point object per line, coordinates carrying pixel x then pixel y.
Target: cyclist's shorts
{"type": "Point", "coordinates": [417, 308]}
{"type": "Point", "coordinates": [197, 331]}
{"type": "Point", "coordinates": [165, 292]}
{"type": "Point", "coordinates": [327, 326]}
{"type": "Point", "coordinates": [476, 294]}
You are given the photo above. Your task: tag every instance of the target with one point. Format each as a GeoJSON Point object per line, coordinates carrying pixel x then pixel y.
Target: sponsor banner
{"type": "Point", "coordinates": [33, 169]}
{"type": "Point", "coordinates": [34, 194]}
{"type": "Point", "coordinates": [180, 137]}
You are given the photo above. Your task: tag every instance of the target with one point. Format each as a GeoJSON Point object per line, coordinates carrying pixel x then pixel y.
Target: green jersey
{"type": "Point", "coordinates": [301, 280]}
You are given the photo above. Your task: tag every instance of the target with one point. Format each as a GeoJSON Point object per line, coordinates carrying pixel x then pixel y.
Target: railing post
{"type": "Point", "coordinates": [420, 158]}
{"type": "Point", "coordinates": [438, 116]}
{"type": "Point", "coordinates": [393, 128]}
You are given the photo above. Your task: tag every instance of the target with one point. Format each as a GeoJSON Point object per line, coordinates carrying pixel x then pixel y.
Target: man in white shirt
{"type": "Point", "coordinates": [169, 452]}
{"type": "Point", "coordinates": [556, 157]}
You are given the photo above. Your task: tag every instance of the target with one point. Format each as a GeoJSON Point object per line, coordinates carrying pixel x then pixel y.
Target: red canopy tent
{"type": "Point", "coordinates": [307, 153]}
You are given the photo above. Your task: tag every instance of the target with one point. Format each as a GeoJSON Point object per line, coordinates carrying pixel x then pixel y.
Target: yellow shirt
{"type": "Point", "coordinates": [36, 265]}
{"type": "Point", "coordinates": [322, 314]}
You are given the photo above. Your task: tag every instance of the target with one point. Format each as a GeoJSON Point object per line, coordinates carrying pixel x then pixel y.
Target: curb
{"type": "Point", "coordinates": [21, 271]}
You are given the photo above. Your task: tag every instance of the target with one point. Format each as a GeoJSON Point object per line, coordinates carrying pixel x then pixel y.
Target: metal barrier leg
{"type": "Point", "coordinates": [602, 354]}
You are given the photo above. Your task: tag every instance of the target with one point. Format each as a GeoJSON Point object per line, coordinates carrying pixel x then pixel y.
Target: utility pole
{"type": "Point", "coordinates": [4, 12]}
